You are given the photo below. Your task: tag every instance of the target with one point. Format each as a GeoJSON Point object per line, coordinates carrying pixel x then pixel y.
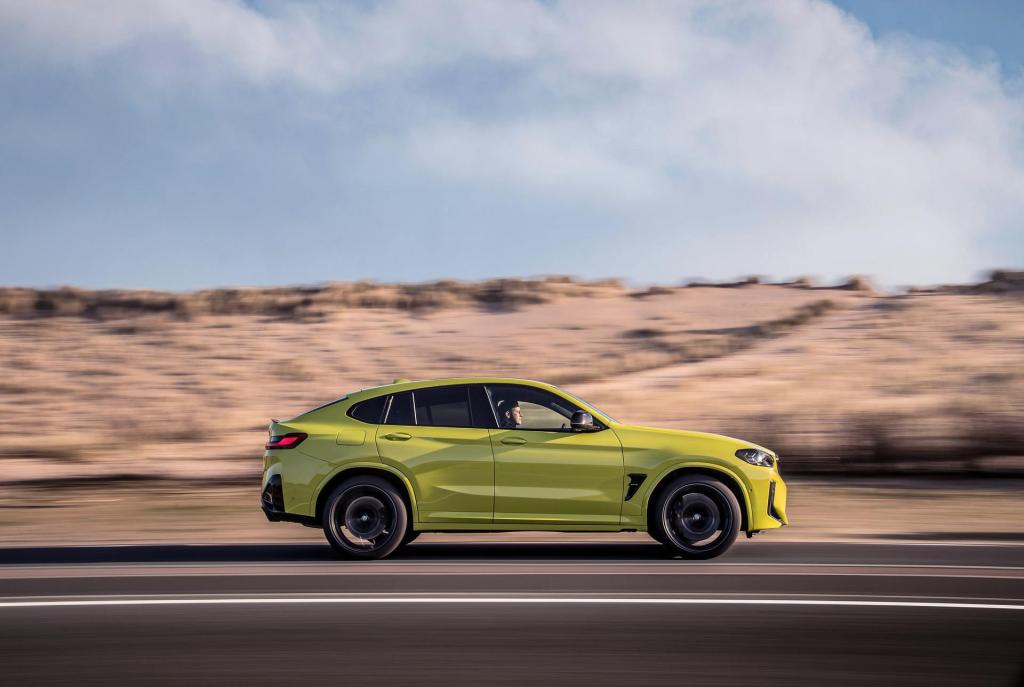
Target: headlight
{"type": "Point", "coordinates": [756, 457]}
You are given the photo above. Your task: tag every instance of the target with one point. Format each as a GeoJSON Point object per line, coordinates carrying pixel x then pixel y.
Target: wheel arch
{"type": "Point", "coordinates": [729, 479]}
{"type": "Point", "coordinates": [397, 479]}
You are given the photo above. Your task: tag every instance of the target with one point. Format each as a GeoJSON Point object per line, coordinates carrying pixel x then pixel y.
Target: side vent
{"type": "Point", "coordinates": [635, 480]}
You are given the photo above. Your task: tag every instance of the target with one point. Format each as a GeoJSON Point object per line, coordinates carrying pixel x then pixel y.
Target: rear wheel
{"type": "Point", "coordinates": [365, 517]}
{"type": "Point", "coordinates": [696, 517]}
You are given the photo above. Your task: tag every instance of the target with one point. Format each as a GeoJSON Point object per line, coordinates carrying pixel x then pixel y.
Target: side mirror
{"type": "Point", "coordinates": [582, 421]}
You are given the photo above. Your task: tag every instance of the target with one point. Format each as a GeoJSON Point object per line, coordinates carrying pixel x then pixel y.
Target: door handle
{"type": "Point", "coordinates": [513, 441]}
{"type": "Point", "coordinates": [398, 436]}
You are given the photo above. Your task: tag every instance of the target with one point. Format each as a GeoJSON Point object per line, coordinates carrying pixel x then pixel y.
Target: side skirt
{"type": "Point", "coordinates": [514, 527]}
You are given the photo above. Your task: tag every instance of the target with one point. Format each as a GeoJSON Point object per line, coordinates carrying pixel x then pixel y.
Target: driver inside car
{"type": "Point", "coordinates": [510, 414]}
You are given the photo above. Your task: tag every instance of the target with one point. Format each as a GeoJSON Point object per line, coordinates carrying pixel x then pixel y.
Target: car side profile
{"type": "Point", "coordinates": [377, 467]}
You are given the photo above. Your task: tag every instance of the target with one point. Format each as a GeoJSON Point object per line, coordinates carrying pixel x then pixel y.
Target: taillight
{"type": "Point", "coordinates": [286, 440]}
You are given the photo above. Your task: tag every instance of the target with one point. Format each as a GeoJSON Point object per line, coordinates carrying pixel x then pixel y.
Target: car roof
{"type": "Point", "coordinates": [403, 384]}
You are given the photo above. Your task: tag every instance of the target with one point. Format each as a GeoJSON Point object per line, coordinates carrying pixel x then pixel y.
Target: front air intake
{"type": "Point", "coordinates": [771, 502]}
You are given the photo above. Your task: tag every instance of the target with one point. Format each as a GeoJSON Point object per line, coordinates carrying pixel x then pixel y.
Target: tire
{"type": "Point", "coordinates": [365, 518]}
{"type": "Point", "coordinates": [410, 536]}
{"type": "Point", "coordinates": [696, 517]}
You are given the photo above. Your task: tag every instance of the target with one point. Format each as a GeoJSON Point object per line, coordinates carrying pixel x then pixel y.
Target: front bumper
{"type": "Point", "coordinates": [768, 496]}
{"type": "Point", "coordinates": [777, 501]}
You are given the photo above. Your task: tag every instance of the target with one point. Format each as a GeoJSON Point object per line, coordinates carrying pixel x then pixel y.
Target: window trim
{"type": "Point", "coordinates": [599, 424]}
{"type": "Point", "coordinates": [391, 403]}
{"type": "Point", "coordinates": [492, 416]}
{"type": "Point", "coordinates": [467, 393]}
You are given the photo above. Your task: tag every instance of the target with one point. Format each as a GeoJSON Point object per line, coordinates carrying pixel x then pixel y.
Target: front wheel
{"type": "Point", "coordinates": [696, 517]}
{"type": "Point", "coordinates": [365, 517]}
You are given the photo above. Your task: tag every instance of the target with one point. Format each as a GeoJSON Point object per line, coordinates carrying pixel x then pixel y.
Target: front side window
{"type": "Point", "coordinates": [524, 407]}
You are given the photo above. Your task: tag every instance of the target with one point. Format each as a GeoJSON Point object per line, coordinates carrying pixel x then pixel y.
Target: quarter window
{"type": "Point", "coordinates": [369, 410]}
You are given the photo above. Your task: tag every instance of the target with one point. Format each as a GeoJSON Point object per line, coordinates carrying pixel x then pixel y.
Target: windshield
{"type": "Point", "coordinates": [589, 405]}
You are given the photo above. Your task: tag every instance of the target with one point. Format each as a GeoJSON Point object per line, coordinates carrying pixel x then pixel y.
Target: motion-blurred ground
{"type": "Point", "coordinates": [161, 388]}
{"type": "Point", "coordinates": [888, 510]}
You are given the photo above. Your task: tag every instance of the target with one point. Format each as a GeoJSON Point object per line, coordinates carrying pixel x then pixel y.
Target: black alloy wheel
{"type": "Point", "coordinates": [365, 517]}
{"type": "Point", "coordinates": [696, 517]}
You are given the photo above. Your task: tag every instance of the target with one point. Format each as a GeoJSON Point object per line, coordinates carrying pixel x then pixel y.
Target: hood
{"type": "Point", "coordinates": [701, 437]}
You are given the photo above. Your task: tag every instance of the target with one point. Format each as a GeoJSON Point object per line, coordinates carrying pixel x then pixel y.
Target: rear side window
{"type": "Point", "coordinates": [480, 408]}
{"type": "Point", "coordinates": [369, 410]}
{"type": "Point", "coordinates": [400, 411]}
{"type": "Point", "coordinates": [442, 406]}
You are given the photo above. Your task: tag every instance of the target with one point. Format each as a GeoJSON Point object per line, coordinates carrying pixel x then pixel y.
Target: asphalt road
{"type": "Point", "coordinates": [513, 614]}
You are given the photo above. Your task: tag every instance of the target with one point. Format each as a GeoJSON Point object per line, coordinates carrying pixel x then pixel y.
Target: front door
{"type": "Point", "coordinates": [428, 435]}
{"type": "Point", "coordinates": [544, 472]}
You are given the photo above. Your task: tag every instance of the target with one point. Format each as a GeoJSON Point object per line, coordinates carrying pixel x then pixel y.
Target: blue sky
{"type": "Point", "coordinates": [188, 143]}
{"type": "Point", "coordinates": [985, 29]}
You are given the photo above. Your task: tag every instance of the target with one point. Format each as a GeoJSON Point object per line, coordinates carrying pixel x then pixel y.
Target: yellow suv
{"type": "Point", "coordinates": [377, 467]}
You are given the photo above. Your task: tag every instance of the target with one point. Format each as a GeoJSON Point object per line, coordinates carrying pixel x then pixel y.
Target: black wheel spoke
{"type": "Point", "coordinates": [366, 517]}
{"type": "Point", "coordinates": [363, 519]}
{"type": "Point", "coordinates": [697, 518]}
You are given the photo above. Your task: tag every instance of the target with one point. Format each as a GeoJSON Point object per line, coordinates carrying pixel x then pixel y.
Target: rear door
{"type": "Point", "coordinates": [434, 437]}
{"type": "Point", "coordinates": [544, 472]}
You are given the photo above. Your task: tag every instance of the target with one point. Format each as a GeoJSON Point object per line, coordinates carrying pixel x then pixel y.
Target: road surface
{"type": "Point", "coordinates": [514, 614]}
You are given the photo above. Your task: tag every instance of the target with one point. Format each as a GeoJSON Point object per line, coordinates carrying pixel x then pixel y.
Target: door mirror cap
{"type": "Point", "coordinates": [582, 421]}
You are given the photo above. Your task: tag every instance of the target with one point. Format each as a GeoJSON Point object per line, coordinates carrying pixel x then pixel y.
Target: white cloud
{"type": "Point", "coordinates": [726, 137]}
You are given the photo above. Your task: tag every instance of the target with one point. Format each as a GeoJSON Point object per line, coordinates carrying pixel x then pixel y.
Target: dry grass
{"type": "Point", "coordinates": [181, 386]}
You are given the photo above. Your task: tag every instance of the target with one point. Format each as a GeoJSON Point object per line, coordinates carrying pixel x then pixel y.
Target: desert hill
{"type": "Point", "coordinates": [145, 384]}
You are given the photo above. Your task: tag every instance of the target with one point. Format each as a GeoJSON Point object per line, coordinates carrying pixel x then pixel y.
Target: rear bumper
{"type": "Point", "coordinates": [281, 516]}
{"type": "Point", "coordinates": [272, 504]}
{"type": "Point", "coordinates": [273, 495]}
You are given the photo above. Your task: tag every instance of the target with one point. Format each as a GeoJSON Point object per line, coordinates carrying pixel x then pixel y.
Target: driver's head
{"type": "Point", "coordinates": [509, 413]}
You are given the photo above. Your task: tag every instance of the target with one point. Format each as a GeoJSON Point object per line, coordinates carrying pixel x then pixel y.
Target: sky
{"type": "Point", "coordinates": [183, 144]}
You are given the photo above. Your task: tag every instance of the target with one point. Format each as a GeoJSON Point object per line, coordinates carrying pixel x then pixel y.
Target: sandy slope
{"type": "Point", "coordinates": [101, 385]}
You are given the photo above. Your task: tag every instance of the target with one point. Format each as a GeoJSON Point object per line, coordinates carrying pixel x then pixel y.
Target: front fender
{"type": "Point", "coordinates": [744, 486]}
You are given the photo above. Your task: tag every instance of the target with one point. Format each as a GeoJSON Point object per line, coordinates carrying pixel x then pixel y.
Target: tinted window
{"type": "Point", "coordinates": [400, 411]}
{"type": "Point", "coordinates": [442, 406]}
{"type": "Point", "coordinates": [480, 408]}
{"type": "Point", "coordinates": [369, 410]}
{"type": "Point", "coordinates": [539, 409]}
